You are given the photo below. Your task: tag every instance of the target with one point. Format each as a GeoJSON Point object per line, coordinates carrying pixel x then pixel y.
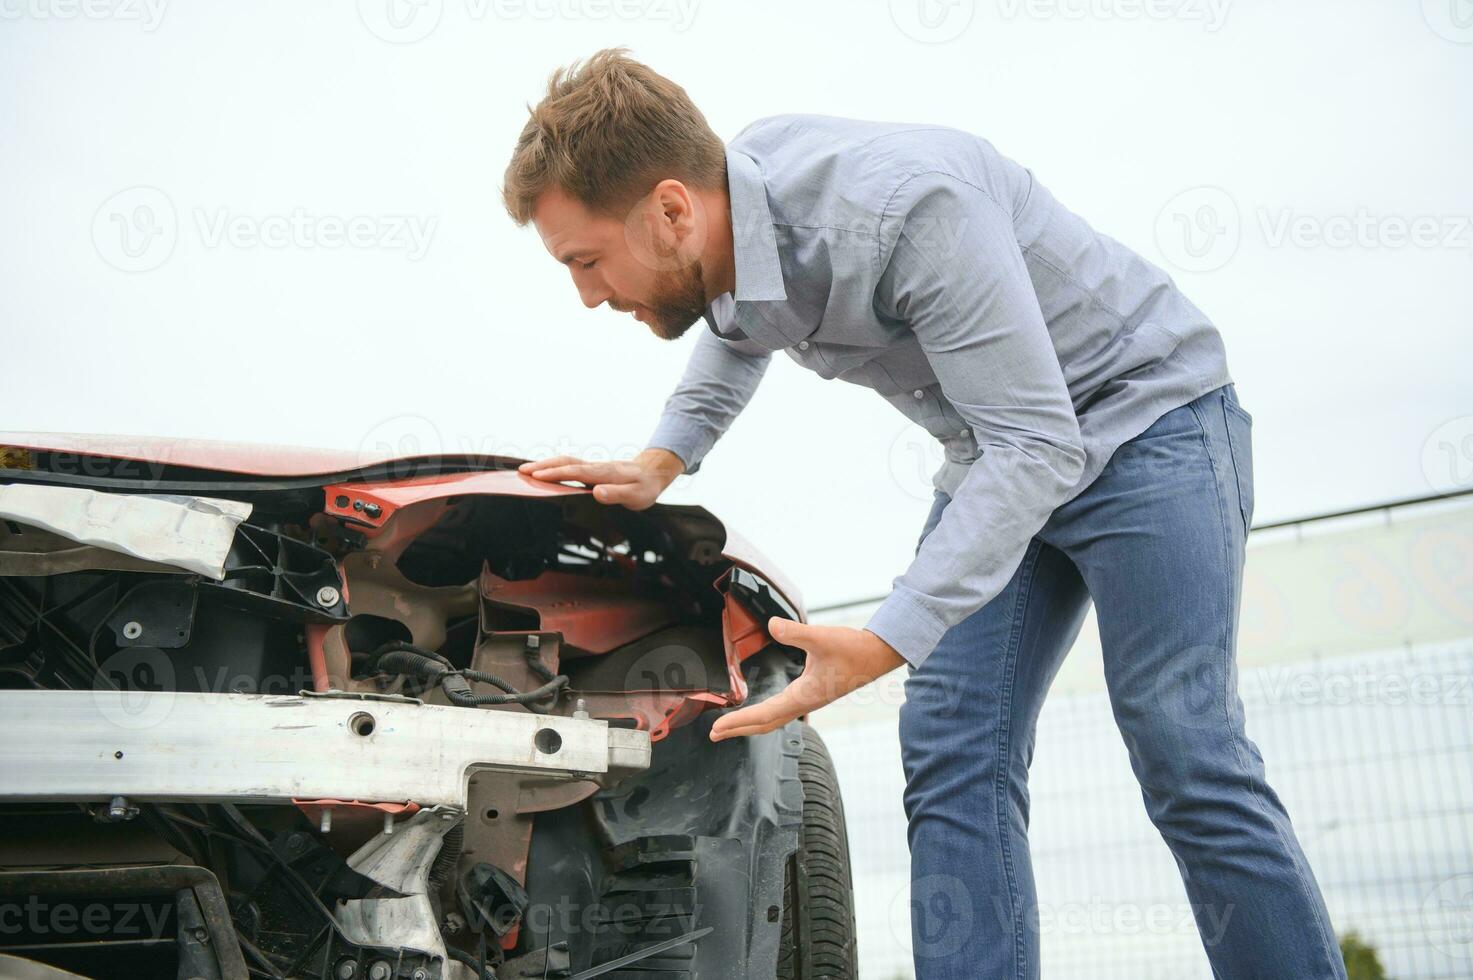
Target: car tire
{"type": "Point", "coordinates": [818, 935]}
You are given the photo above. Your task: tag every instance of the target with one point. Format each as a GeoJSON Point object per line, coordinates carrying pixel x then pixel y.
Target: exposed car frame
{"type": "Point", "coordinates": [410, 718]}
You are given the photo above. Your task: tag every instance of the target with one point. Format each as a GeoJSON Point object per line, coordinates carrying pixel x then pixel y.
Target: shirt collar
{"type": "Point", "coordinates": [759, 274]}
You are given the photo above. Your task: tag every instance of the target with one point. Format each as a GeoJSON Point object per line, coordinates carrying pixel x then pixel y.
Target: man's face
{"type": "Point", "coordinates": [647, 264]}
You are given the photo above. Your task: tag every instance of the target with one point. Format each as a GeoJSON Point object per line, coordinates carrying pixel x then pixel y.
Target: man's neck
{"type": "Point", "coordinates": [718, 258]}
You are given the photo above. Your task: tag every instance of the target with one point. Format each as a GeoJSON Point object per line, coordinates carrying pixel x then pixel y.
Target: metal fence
{"type": "Point", "coordinates": [1372, 752]}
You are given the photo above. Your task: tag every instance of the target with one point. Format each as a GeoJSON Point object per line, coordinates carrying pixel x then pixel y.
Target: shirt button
{"type": "Point", "coordinates": [803, 345]}
{"type": "Point", "coordinates": [964, 433]}
{"type": "Point", "coordinates": [919, 393]}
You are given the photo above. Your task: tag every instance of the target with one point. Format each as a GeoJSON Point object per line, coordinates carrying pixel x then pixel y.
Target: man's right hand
{"type": "Point", "coordinates": [636, 483]}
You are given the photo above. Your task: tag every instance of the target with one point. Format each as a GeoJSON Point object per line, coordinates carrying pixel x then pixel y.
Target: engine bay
{"type": "Point", "coordinates": [441, 722]}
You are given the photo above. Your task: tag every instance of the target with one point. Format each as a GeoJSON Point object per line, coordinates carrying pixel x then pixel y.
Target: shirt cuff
{"type": "Point", "coordinates": [686, 439]}
{"type": "Point", "coordinates": [911, 629]}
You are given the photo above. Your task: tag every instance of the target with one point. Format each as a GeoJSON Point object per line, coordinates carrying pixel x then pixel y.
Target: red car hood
{"type": "Point", "coordinates": [205, 454]}
{"type": "Point", "coordinates": [299, 461]}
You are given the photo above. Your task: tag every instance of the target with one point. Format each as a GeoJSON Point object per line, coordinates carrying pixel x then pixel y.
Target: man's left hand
{"type": "Point", "coordinates": [840, 659]}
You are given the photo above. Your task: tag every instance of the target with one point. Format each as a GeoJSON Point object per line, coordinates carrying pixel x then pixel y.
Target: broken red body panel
{"type": "Point", "coordinates": [594, 616]}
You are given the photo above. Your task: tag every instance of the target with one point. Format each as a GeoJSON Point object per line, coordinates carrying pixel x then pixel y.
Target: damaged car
{"type": "Point", "coordinates": [275, 713]}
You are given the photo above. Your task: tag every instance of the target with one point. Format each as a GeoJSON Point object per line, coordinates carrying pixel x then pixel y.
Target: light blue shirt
{"type": "Point", "coordinates": [920, 262]}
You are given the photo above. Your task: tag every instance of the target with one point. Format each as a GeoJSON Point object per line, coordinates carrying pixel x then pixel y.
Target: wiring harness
{"type": "Point", "coordinates": [432, 669]}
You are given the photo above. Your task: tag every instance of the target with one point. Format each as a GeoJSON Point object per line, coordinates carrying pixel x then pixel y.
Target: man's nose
{"type": "Point", "coordinates": [593, 293]}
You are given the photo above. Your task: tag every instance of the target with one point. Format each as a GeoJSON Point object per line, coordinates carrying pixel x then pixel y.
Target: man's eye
{"type": "Point", "coordinates": [588, 265]}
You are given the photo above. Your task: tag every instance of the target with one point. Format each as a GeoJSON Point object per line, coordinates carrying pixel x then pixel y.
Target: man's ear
{"type": "Point", "coordinates": [666, 230]}
{"type": "Point", "coordinates": [676, 205]}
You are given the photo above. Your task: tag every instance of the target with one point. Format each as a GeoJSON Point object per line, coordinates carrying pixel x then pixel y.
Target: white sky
{"type": "Point", "coordinates": [1354, 357]}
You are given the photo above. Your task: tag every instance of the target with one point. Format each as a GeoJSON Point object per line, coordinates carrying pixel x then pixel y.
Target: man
{"type": "Point", "coordinates": [1094, 450]}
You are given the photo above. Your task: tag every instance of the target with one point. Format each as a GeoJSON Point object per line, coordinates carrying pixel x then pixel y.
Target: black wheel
{"type": "Point", "coordinates": [818, 896]}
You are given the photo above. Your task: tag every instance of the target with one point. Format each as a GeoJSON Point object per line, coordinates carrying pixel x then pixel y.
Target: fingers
{"type": "Point", "coordinates": [756, 719]}
{"type": "Point", "coordinates": [540, 464]}
{"type": "Point", "coordinates": [790, 632]}
{"type": "Point", "coordinates": [794, 701]}
{"type": "Point", "coordinates": [631, 495]}
{"type": "Point", "coordinates": [584, 472]}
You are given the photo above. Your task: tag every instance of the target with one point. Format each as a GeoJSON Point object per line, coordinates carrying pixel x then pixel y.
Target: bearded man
{"type": "Point", "coordinates": [1095, 451]}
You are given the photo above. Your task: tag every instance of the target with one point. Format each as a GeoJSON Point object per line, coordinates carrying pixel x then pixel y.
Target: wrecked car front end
{"type": "Point", "coordinates": [414, 719]}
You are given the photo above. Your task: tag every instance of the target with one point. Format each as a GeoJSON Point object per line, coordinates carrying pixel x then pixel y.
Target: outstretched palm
{"type": "Point", "coordinates": [840, 659]}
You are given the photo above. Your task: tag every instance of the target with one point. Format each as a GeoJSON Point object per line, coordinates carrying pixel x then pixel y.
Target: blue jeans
{"type": "Point", "coordinates": [1157, 542]}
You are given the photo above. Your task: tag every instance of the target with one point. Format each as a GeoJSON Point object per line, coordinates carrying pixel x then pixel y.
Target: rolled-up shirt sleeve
{"type": "Point", "coordinates": [719, 380]}
{"type": "Point", "coordinates": [952, 271]}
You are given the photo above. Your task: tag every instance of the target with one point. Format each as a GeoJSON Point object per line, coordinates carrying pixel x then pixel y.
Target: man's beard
{"type": "Point", "coordinates": [680, 300]}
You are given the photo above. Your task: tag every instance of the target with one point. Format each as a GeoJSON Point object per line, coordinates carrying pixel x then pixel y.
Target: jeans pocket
{"type": "Point", "coordinates": [1239, 426]}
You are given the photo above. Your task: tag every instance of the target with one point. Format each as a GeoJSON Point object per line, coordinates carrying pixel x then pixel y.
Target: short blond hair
{"type": "Point", "coordinates": [607, 131]}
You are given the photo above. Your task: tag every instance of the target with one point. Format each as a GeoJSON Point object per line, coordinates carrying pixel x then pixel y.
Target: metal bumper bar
{"type": "Point", "coordinates": [93, 745]}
